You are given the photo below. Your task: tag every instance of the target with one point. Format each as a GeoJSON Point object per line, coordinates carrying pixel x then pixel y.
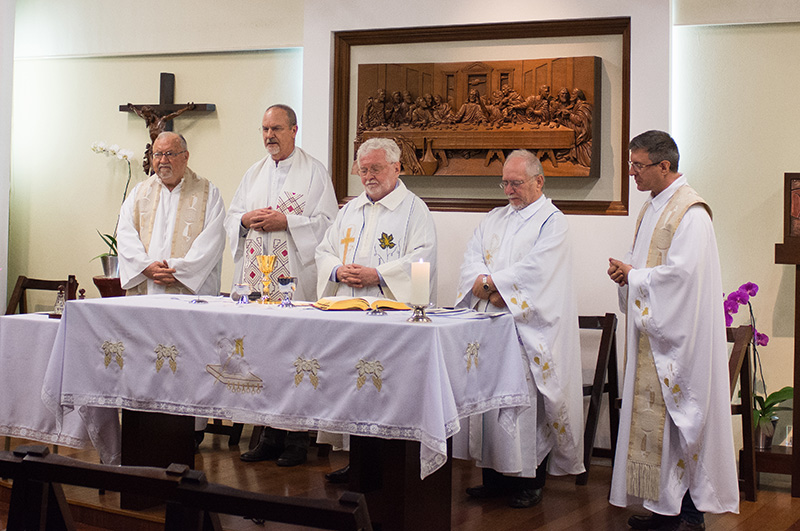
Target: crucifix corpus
{"type": "Point", "coordinates": [158, 117]}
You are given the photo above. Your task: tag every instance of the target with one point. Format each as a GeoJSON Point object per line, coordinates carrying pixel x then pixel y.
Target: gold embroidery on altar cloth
{"type": "Point", "coordinates": [303, 366]}
{"type": "Point", "coordinates": [471, 354]}
{"type": "Point", "coordinates": [114, 350]}
{"type": "Point", "coordinates": [166, 353]}
{"type": "Point", "coordinates": [372, 368]}
{"type": "Point", "coordinates": [233, 370]}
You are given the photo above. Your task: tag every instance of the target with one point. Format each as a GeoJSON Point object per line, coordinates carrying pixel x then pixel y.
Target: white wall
{"type": "Point", "coordinates": [123, 27]}
{"type": "Point", "coordinates": [6, 80]}
{"type": "Point", "coordinates": [62, 192]}
{"type": "Point", "coordinates": [736, 122]}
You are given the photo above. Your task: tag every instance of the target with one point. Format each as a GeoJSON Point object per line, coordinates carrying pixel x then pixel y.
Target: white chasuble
{"type": "Point", "coordinates": [388, 235]}
{"type": "Point", "coordinates": [528, 255]}
{"type": "Point", "coordinates": [301, 189]}
{"type": "Point", "coordinates": [183, 226]}
{"type": "Point", "coordinates": [677, 308]}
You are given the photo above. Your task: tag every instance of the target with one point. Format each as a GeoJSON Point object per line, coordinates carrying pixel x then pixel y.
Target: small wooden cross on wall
{"type": "Point", "coordinates": [158, 117]}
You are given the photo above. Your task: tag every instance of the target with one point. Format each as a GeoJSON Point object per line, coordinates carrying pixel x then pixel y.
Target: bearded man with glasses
{"type": "Point", "coordinates": [171, 235]}
{"type": "Point", "coordinates": [519, 261]}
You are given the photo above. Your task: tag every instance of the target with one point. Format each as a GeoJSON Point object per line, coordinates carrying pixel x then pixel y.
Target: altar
{"type": "Point", "coordinates": [293, 368]}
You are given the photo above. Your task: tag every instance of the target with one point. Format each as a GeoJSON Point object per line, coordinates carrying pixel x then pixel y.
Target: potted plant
{"type": "Point", "coordinates": [765, 417]}
{"type": "Point", "coordinates": [765, 405]}
{"type": "Point", "coordinates": [110, 259]}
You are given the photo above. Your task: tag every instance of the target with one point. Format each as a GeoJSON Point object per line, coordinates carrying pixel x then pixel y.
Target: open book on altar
{"type": "Point", "coordinates": [359, 303]}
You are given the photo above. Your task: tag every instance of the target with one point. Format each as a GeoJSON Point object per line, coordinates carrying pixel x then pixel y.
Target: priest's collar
{"type": "Point", "coordinates": [661, 199]}
{"type": "Point", "coordinates": [393, 198]}
{"type": "Point", "coordinates": [286, 161]}
{"type": "Point", "coordinates": [531, 209]}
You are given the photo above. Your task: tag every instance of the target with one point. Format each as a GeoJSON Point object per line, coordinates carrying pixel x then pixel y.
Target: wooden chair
{"type": "Point", "coordinates": [739, 368]}
{"type": "Point", "coordinates": [605, 381]}
{"type": "Point", "coordinates": [19, 298]}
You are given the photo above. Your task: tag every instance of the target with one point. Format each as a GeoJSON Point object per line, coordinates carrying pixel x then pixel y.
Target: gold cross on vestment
{"type": "Point", "coordinates": [347, 240]}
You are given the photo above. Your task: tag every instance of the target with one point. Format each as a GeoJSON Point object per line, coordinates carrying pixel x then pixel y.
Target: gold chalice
{"type": "Point", "coordinates": [266, 263]}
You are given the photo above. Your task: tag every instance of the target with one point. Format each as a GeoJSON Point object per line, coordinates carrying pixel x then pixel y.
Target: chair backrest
{"type": "Point", "coordinates": [18, 296]}
{"type": "Point", "coordinates": [740, 337]}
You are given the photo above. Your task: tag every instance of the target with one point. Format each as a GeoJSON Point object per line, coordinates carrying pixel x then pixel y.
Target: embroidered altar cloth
{"type": "Point", "coordinates": [293, 368]}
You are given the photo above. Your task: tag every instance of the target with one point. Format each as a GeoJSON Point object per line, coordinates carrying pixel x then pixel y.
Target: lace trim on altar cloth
{"type": "Point", "coordinates": [433, 451]}
{"type": "Point", "coordinates": [43, 437]}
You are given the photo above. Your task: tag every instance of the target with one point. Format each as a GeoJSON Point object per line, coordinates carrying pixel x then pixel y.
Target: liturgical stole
{"type": "Point", "coordinates": [643, 473]}
{"type": "Point", "coordinates": [189, 221]}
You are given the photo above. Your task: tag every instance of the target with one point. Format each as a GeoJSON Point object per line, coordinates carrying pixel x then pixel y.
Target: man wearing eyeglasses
{"type": "Point", "coordinates": [171, 235]}
{"type": "Point", "coordinates": [282, 207]}
{"type": "Point", "coordinates": [373, 241]}
{"type": "Point", "coordinates": [519, 261]}
{"type": "Point", "coordinates": [369, 249]}
{"type": "Point", "coordinates": [675, 449]}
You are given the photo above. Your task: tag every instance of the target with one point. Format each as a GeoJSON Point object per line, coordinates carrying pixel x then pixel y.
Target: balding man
{"type": "Point", "coordinates": [519, 261]}
{"type": "Point", "coordinates": [171, 235]}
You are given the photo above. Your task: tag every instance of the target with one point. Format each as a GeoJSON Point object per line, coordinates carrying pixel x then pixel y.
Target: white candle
{"type": "Point", "coordinates": [420, 283]}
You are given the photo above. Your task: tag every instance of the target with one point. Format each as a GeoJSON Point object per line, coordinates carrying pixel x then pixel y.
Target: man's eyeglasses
{"type": "Point", "coordinates": [512, 184]}
{"type": "Point", "coordinates": [373, 170]}
{"type": "Point", "coordinates": [638, 166]}
{"type": "Point", "coordinates": [169, 154]}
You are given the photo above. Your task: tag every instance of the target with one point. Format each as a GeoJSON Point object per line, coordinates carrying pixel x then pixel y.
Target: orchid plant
{"type": "Point", "coordinates": [124, 155]}
{"type": "Point", "coordinates": [765, 407]}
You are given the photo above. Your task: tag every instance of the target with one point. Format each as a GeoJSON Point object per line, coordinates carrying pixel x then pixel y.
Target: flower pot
{"type": "Point", "coordinates": [110, 265]}
{"type": "Point", "coordinates": [762, 440]}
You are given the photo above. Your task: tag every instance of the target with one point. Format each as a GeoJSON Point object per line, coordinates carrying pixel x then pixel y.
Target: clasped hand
{"type": "Point", "coordinates": [358, 276]}
{"type": "Point", "coordinates": [493, 296]}
{"type": "Point", "coordinates": [618, 271]}
{"type": "Point", "coordinates": [160, 273]}
{"type": "Point", "coordinates": [265, 219]}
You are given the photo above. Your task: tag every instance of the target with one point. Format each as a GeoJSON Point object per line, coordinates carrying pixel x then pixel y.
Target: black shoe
{"type": "Point", "coordinates": [262, 452]}
{"type": "Point", "coordinates": [655, 521]}
{"type": "Point", "coordinates": [522, 499]}
{"type": "Point", "coordinates": [483, 492]}
{"type": "Point", "coordinates": [292, 456]}
{"type": "Point", "coordinates": [340, 476]}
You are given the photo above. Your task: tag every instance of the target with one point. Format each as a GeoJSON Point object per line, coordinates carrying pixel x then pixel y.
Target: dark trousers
{"type": "Point", "coordinates": [493, 478]}
{"type": "Point", "coordinates": [282, 438]}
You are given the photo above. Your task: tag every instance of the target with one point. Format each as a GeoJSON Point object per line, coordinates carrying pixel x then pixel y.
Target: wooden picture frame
{"type": "Point", "coordinates": [788, 252]}
{"type": "Point", "coordinates": [346, 42]}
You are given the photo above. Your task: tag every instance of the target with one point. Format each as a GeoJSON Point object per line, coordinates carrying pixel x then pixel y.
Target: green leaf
{"type": "Point", "coordinates": [787, 393]}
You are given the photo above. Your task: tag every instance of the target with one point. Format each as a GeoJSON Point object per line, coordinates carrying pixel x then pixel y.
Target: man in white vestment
{"type": "Point", "coordinates": [519, 260]}
{"type": "Point", "coordinates": [675, 448]}
{"type": "Point", "coordinates": [282, 207]}
{"type": "Point", "coordinates": [170, 236]}
{"type": "Point", "coordinates": [369, 249]}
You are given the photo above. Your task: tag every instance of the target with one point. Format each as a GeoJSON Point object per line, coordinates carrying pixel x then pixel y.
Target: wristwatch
{"type": "Point", "coordinates": [486, 287]}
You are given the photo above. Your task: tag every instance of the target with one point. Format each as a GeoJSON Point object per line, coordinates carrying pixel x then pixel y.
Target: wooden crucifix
{"type": "Point", "coordinates": [158, 117]}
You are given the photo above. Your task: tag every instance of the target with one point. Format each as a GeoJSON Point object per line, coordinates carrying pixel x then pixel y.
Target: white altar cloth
{"type": "Point", "coordinates": [293, 368]}
{"type": "Point", "coordinates": [25, 344]}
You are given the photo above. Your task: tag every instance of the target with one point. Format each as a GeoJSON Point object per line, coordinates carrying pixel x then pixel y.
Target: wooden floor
{"type": "Point", "coordinates": [565, 505]}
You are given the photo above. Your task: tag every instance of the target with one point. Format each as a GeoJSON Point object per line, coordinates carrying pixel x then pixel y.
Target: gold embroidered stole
{"type": "Point", "coordinates": [643, 471]}
{"type": "Point", "coordinates": [189, 219]}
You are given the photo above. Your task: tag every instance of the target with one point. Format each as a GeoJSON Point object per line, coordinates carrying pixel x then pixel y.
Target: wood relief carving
{"type": "Point", "coordinates": [464, 118]}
